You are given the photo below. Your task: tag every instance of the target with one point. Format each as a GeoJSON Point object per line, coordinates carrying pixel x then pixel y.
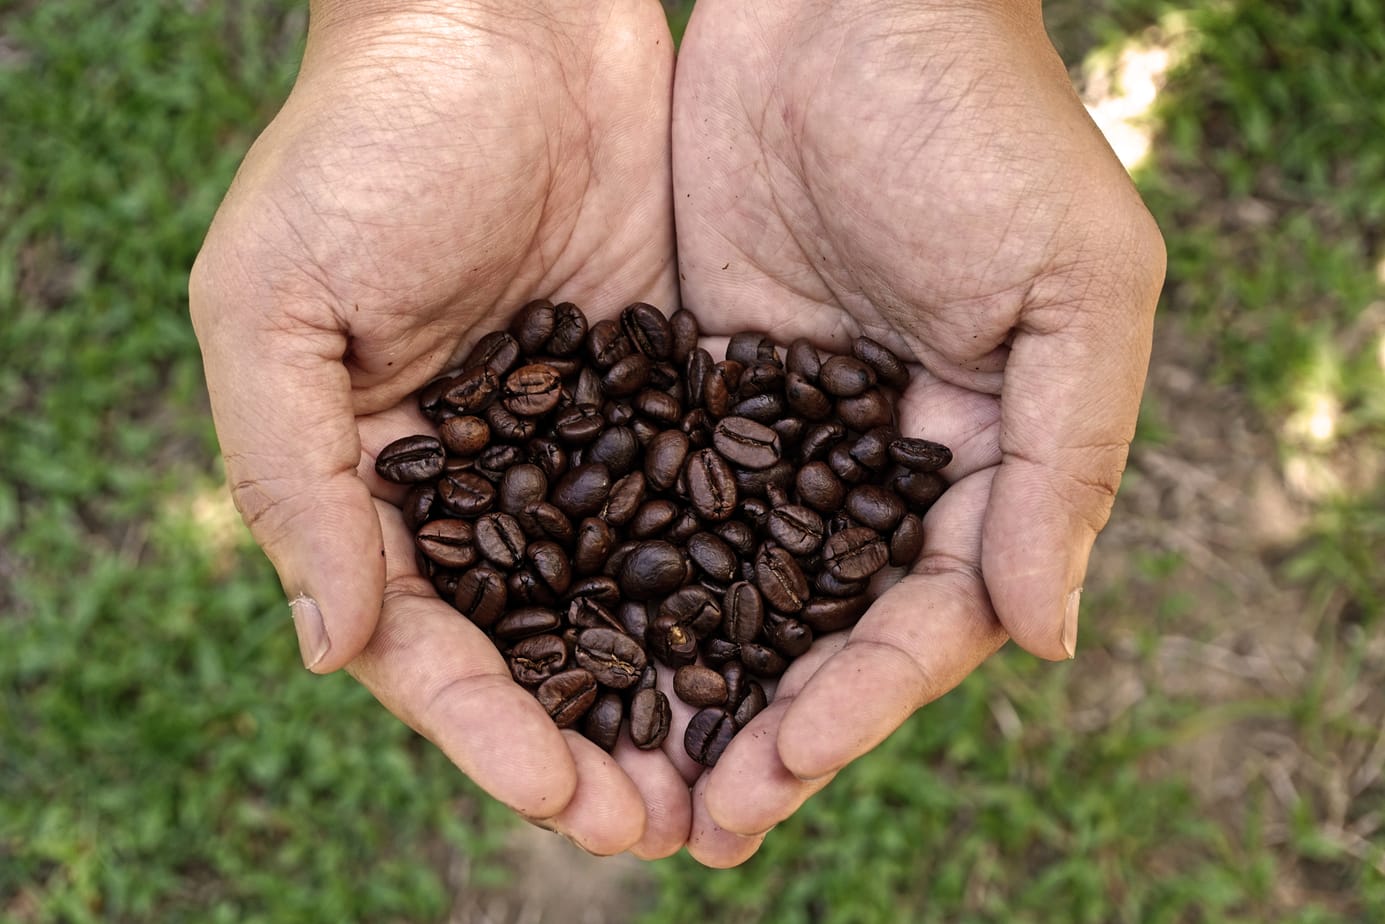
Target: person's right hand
{"type": "Point", "coordinates": [435, 167]}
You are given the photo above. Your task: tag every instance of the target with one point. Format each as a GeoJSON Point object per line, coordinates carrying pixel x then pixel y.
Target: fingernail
{"type": "Point", "coordinates": [313, 643]}
{"type": "Point", "coordinates": [1070, 623]}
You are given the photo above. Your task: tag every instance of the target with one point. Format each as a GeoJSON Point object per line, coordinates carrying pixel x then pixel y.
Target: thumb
{"type": "Point", "coordinates": [281, 400]}
{"type": "Point", "coordinates": [1069, 404]}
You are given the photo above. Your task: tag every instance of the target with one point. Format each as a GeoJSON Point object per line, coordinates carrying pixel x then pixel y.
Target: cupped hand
{"type": "Point", "coordinates": [923, 175]}
{"type": "Point", "coordinates": [435, 166]}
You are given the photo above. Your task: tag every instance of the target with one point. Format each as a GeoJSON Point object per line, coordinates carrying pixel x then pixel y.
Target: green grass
{"type": "Point", "coordinates": [162, 757]}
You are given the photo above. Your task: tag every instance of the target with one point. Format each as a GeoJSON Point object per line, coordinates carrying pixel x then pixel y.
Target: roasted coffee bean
{"type": "Point", "coordinates": [501, 540]}
{"type": "Point", "coordinates": [658, 406]}
{"type": "Point", "coordinates": [533, 660]}
{"type": "Point", "coordinates": [713, 555]}
{"type": "Point", "coordinates": [430, 400]}
{"type": "Point", "coordinates": [708, 734]}
{"type": "Point", "coordinates": [595, 539]}
{"type": "Point", "coordinates": [544, 520]}
{"type": "Point", "coordinates": [646, 327]}
{"type": "Point", "coordinates": [616, 448]}
{"type": "Point", "coordinates": [508, 427]}
{"type": "Point", "coordinates": [497, 352]}
{"type": "Point", "coordinates": [869, 409]}
{"type": "Point", "coordinates": [719, 388]}
{"type": "Point", "coordinates": [685, 333]}
{"type": "Point", "coordinates": [652, 518]}
{"type": "Point", "coordinates": [919, 489]}
{"type": "Point", "coordinates": [845, 377]}
{"type": "Point", "coordinates": [614, 658]}
{"type": "Point", "coordinates": [465, 494]}
{"type": "Point", "coordinates": [569, 330]}
{"type": "Point", "coordinates": [803, 359]}
{"type": "Point", "coordinates": [780, 580]}
{"type": "Point", "coordinates": [447, 542]}
{"type": "Point", "coordinates": [548, 560]}
{"type": "Point", "coordinates": [533, 325]}
{"type": "Point", "coordinates": [755, 511]}
{"type": "Point", "coordinates": [650, 717]}
{"type": "Point", "coordinates": [444, 580]}
{"type": "Point", "coordinates": [711, 485]}
{"type": "Point", "coordinates": [761, 378]}
{"type": "Point", "coordinates": [616, 560]}
{"type": "Point", "coordinates": [819, 439]}
{"type": "Point", "coordinates": [634, 618]}
{"type": "Point", "coordinates": [737, 535]}
{"type": "Point", "coordinates": [742, 612]}
{"type": "Point", "coordinates": [845, 466]}
{"type": "Point", "coordinates": [699, 686]}
{"type": "Point", "coordinates": [854, 554]}
{"type": "Point", "coordinates": [750, 347]}
{"type": "Point", "coordinates": [670, 641]}
{"type": "Point", "coordinates": [601, 725]}
{"type": "Point", "coordinates": [825, 583]}
{"type": "Point", "coordinates": [790, 431]}
{"type": "Point", "coordinates": [579, 424]}
{"type": "Point", "coordinates": [761, 660]}
{"type": "Point", "coordinates": [567, 696]}
{"type": "Point", "coordinates": [874, 506]}
{"type": "Point", "coordinates": [765, 409]}
{"type": "Point", "coordinates": [644, 431]}
{"type": "Point", "coordinates": [872, 450]}
{"type": "Point", "coordinates": [465, 435]}
{"type": "Point", "coordinates": [698, 367]}
{"type": "Point", "coordinates": [797, 528]}
{"type": "Point", "coordinates": [684, 526]}
{"type": "Point", "coordinates": [886, 364]}
{"type": "Point", "coordinates": [418, 505]}
{"type": "Point", "coordinates": [746, 443]}
{"type": "Point", "coordinates": [694, 608]}
{"type": "Point", "coordinates": [586, 613]}
{"type": "Point", "coordinates": [607, 344]}
{"type": "Point", "coordinates": [588, 389]}
{"type": "Point", "coordinates": [906, 542]}
{"type": "Point", "coordinates": [598, 587]}
{"type": "Point", "coordinates": [473, 389]}
{"type": "Point", "coordinates": [776, 495]}
{"type": "Point", "coordinates": [755, 483]}
{"type": "Point", "coordinates": [532, 390]}
{"type": "Point", "coordinates": [832, 614]}
{"type": "Point", "coordinates": [737, 682]}
{"type": "Point", "coordinates": [495, 461]}
{"type": "Point", "coordinates": [481, 595]}
{"type": "Point", "coordinates": [520, 486]}
{"type": "Point", "coordinates": [805, 399]}
{"type": "Point", "coordinates": [653, 569]}
{"type": "Point", "coordinates": [920, 455]}
{"type": "Point", "coordinates": [628, 376]}
{"type": "Point", "coordinates": [718, 651]}
{"type": "Point", "coordinates": [549, 456]}
{"type": "Point", "coordinates": [819, 488]}
{"type": "Point", "coordinates": [788, 636]}
{"type": "Point", "coordinates": [624, 499]}
{"type": "Point", "coordinates": [526, 621]}
{"type": "Point", "coordinates": [664, 458]}
{"type": "Point", "coordinates": [751, 705]}
{"type": "Point", "coordinates": [411, 460]}
{"type": "Point", "coordinates": [583, 490]}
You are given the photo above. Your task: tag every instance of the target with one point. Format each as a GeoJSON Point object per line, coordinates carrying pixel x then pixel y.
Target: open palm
{"type": "Point", "coordinates": [926, 178]}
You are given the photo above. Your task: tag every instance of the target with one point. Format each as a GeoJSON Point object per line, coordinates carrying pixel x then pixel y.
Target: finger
{"type": "Point", "coordinates": [606, 814]}
{"type": "Point", "coordinates": [919, 640]}
{"type": "Point", "coordinates": [667, 802]}
{"type": "Point", "coordinates": [281, 399]}
{"type": "Point", "coordinates": [439, 674]}
{"type": "Point", "coordinates": [713, 846]}
{"type": "Point", "coordinates": [1069, 405]}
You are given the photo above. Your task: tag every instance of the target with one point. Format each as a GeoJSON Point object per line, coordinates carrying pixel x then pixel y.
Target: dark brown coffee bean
{"type": "Point", "coordinates": [430, 399]}
{"type": "Point", "coordinates": [685, 333]}
{"type": "Point", "coordinates": [532, 390]}
{"type": "Point", "coordinates": [644, 430]}
{"type": "Point", "coordinates": [776, 495]}
{"type": "Point", "coordinates": [587, 613]}
{"type": "Point", "coordinates": [410, 460]}
{"type": "Point", "coordinates": [780, 579]}
{"type": "Point", "coordinates": [579, 424]}
{"type": "Point", "coordinates": [650, 717]}
{"type": "Point", "coordinates": [465, 435]}
{"type": "Point", "coordinates": [500, 539]}
{"type": "Point", "coordinates": [845, 376]}
{"type": "Point", "coordinates": [869, 409]}
{"type": "Point", "coordinates": [533, 324]}
{"type": "Point", "coordinates": [790, 431]}
{"type": "Point", "coordinates": [742, 612]}
{"type": "Point", "coordinates": [906, 542]}
{"type": "Point", "coordinates": [594, 543]}
{"type": "Point", "coordinates": [646, 327]}
{"type": "Point", "coordinates": [707, 736]}
{"type": "Point", "coordinates": [825, 583]}
{"type": "Point", "coordinates": [671, 642]}
{"type": "Point", "coordinates": [653, 569]}
{"type": "Point", "coordinates": [606, 344]}
{"type": "Point", "coordinates": [755, 511]}
{"type": "Point", "coordinates": [919, 489]}
{"type": "Point", "coordinates": [713, 555]}
{"type": "Point", "coordinates": [818, 441]}
{"type": "Point", "coordinates": [624, 499]}
{"type": "Point", "coordinates": [762, 378]}
{"type": "Point", "coordinates": [695, 372]}
{"type": "Point", "coordinates": [718, 651]}
{"type": "Point", "coordinates": [614, 658]}
{"type": "Point", "coordinates": [588, 389]}
{"type": "Point", "coordinates": [495, 461]}
{"type": "Point", "coordinates": [481, 595]}
{"type": "Point", "coordinates": [750, 347]}
{"type": "Point", "coordinates": [765, 409]}
{"type": "Point", "coordinates": [920, 455]}
{"type": "Point", "coordinates": [653, 517]}
{"type": "Point", "coordinates": [886, 364]}
{"type": "Point", "coordinates": [616, 448]}
{"type": "Point", "coordinates": [694, 608]}
{"type": "Point", "coordinates": [805, 399]}
{"type": "Point", "coordinates": [616, 560]}
{"type": "Point", "coordinates": [803, 359]}
{"type": "Point", "coordinates": [497, 352]}
{"type": "Point", "coordinates": [447, 542]}
{"type": "Point", "coordinates": [720, 387]}
{"type": "Point", "coordinates": [567, 696]}
{"type": "Point", "coordinates": [550, 457]}
{"type": "Point", "coordinates": [418, 505]}
{"type": "Point", "coordinates": [711, 485]}
{"type": "Point", "coordinates": [762, 661]}
{"type": "Point", "coordinates": [758, 483]}
{"type": "Point", "coordinates": [569, 330]}
{"type": "Point", "coordinates": [628, 376]}
{"type": "Point", "coordinates": [737, 682]}
{"type": "Point", "coordinates": [598, 587]}
{"type": "Point", "coordinates": [832, 614]}
{"type": "Point", "coordinates": [872, 450]}
{"type": "Point", "coordinates": [699, 686]}
{"type": "Point", "coordinates": [751, 705]}
{"type": "Point", "coordinates": [582, 491]}
{"type": "Point", "coordinates": [845, 466]}
{"type": "Point", "coordinates": [466, 494]}
{"type": "Point", "coordinates": [684, 526]}
{"type": "Point", "coordinates": [819, 488]}
{"type": "Point", "coordinates": [508, 427]}
{"type": "Point", "coordinates": [797, 528]}
{"type": "Point", "coordinates": [520, 486]}
{"type": "Point", "coordinates": [533, 660]}
{"type": "Point", "coordinates": [875, 507]}
{"type": "Point", "coordinates": [788, 636]}
{"type": "Point", "coordinates": [855, 553]}
{"type": "Point", "coordinates": [551, 564]}
{"type": "Point", "coordinates": [601, 725]}
{"type": "Point", "coordinates": [658, 406]}
{"type": "Point", "coordinates": [526, 621]}
{"type": "Point", "coordinates": [737, 535]}
{"type": "Point", "coordinates": [746, 443]}
{"type": "Point", "coordinates": [473, 389]}
{"type": "Point", "coordinates": [664, 458]}
{"type": "Point", "coordinates": [543, 520]}
{"type": "Point", "coordinates": [634, 618]}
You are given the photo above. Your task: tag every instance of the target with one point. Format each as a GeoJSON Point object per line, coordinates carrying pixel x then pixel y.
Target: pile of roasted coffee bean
{"type": "Point", "coordinates": [607, 502]}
